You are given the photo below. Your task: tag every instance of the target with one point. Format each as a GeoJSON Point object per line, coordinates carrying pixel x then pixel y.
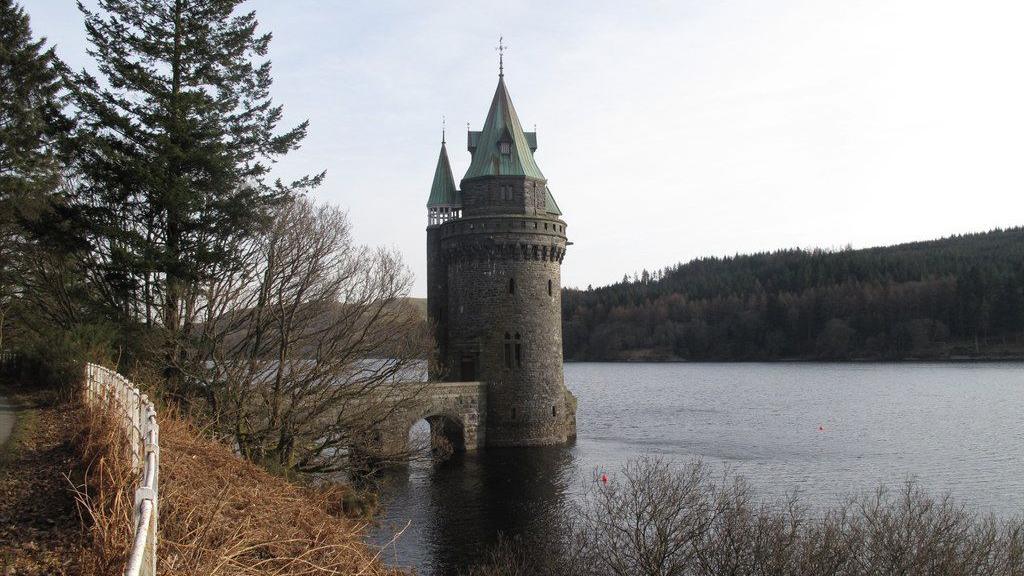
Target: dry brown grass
{"type": "Point", "coordinates": [103, 484]}
{"type": "Point", "coordinates": [219, 515]}
{"type": "Point", "coordinates": [222, 515]}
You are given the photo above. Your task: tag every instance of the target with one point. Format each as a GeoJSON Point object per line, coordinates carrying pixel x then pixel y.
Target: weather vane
{"type": "Point", "coordinates": [501, 55]}
{"type": "Point", "coordinates": [444, 125]}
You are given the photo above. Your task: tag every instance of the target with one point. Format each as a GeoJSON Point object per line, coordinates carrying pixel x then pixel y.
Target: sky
{"type": "Point", "coordinates": [667, 130]}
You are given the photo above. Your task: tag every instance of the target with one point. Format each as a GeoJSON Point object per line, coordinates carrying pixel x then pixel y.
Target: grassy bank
{"type": "Point", "coordinates": [66, 497]}
{"type": "Point", "coordinates": [219, 515]}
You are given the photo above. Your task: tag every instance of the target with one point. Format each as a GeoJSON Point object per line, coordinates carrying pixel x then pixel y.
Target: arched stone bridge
{"type": "Point", "coordinates": [455, 411]}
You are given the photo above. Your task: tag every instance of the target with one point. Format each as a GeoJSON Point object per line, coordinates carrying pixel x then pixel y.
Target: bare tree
{"type": "Point", "coordinates": [306, 348]}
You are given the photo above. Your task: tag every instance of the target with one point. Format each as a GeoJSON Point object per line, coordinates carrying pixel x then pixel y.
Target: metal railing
{"type": "Point", "coordinates": [109, 390]}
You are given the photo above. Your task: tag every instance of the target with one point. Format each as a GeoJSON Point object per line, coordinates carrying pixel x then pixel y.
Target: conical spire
{"type": "Point", "coordinates": [443, 191]}
{"type": "Point", "coordinates": [501, 148]}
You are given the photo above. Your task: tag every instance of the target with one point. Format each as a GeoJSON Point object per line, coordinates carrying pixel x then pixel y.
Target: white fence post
{"type": "Point", "coordinates": [109, 390]}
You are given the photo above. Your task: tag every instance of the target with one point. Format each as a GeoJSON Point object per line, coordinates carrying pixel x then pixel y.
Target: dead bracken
{"type": "Point", "coordinates": [219, 514]}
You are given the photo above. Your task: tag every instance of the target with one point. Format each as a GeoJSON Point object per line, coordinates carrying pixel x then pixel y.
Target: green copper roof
{"type": "Point", "coordinates": [550, 206]}
{"type": "Point", "coordinates": [443, 191]}
{"type": "Point", "coordinates": [502, 125]}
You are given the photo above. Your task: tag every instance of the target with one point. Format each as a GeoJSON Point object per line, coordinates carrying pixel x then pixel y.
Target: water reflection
{"type": "Point", "coordinates": [458, 508]}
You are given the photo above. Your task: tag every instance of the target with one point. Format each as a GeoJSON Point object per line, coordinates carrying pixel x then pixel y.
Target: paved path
{"type": "Point", "coordinates": [8, 413]}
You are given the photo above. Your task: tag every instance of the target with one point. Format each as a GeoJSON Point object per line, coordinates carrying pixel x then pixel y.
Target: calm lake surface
{"type": "Point", "coordinates": [827, 430]}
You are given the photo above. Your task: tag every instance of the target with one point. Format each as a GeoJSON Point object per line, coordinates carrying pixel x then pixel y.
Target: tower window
{"type": "Point", "coordinates": [549, 287]}
{"type": "Point", "coordinates": [505, 147]}
{"type": "Point", "coordinates": [554, 410]}
{"type": "Point", "coordinates": [508, 351]}
{"type": "Point", "coordinates": [519, 352]}
{"type": "Point", "coordinates": [513, 413]}
{"type": "Point", "coordinates": [511, 285]}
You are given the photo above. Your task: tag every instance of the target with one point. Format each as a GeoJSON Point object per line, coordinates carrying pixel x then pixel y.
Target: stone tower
{"type": "Point", "coordinates": [494, 256]}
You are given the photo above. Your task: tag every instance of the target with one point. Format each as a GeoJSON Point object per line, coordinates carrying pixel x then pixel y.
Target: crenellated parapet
{"type": "Point", "coordinates": [505, 223]}
{"type": "Point", "coordinates": [485, 250]}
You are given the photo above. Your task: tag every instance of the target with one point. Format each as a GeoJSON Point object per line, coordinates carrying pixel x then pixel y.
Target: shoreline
{"type": "Point", "coordinates": [965, 360]}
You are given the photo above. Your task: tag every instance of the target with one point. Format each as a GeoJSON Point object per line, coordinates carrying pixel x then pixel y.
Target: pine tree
{"type": "Point", "coordinates": [175, 145]}
{"type": "Point", "coordinates": [30, 107]}
{"type": "Point", "coordinates": [31, 125]}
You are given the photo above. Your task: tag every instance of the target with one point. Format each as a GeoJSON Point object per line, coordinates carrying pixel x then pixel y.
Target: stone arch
{"type": "Point", "coordinates": [447, 428]}
{"type": "Point", "coordinates": [454, 410]}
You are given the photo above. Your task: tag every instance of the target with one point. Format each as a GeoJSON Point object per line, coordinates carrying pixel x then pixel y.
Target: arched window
{"type": "Point", "coordinates": [511, 285]}
{"type": "Point", "coordinates": [549, 287]}
{"type": "Point", "coordinates": [513, 413]}
{"type": "Point", "coordinates": [508, 350]}
{"type": "Point", "coordinates": [519, 352]}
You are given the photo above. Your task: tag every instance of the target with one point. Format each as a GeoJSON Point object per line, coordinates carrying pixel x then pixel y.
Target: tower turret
{"type": "Point", "coordinates": [444, 203]}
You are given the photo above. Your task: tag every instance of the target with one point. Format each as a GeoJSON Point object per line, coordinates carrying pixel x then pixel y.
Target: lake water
{"type": "Point", "coordinates": [827, 430]}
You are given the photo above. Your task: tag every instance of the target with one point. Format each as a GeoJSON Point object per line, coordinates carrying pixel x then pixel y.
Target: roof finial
{"type": "Point", "coordinates": [444, 125]}
{"type": "Point", "coordinates": [501, 56]}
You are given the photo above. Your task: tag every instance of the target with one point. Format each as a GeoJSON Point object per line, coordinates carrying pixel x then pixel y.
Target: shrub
{"type": "Point", "coordinates": [658, 519]}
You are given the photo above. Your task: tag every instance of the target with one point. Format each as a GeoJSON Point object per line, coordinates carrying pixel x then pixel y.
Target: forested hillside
{"type": "Point", "coordinates": [951, 298]}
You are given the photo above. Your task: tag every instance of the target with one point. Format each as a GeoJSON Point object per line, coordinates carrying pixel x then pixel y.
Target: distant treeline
{"type": "Point", "coordinates": [957, 297]}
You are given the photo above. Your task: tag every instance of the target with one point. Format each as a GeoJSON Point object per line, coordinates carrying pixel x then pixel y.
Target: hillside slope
{"type": "Point", "coordinates": [958, 297]}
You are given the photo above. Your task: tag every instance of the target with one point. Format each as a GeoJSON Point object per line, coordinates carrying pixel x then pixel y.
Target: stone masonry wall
{"type": "Point", "coordinates": [526, 396]}
{"type": "Point", "coordinates": [437, 295]}
{"type": "Point", "coordinates": [483, 196]}
{"type": "Point", "coordinates": [462, 404]}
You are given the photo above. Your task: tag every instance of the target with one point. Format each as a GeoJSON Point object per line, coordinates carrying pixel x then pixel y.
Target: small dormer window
{"type": "Point", "coordinates": [505, 147]}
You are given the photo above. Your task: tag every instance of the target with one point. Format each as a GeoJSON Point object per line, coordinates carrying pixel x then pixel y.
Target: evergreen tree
{"type": "Point", "coordinates": [31, 124]}
{"type": "Point", "coordinates": [30, 107]}
{"type": "Point", "coordinates": [955, 297]}
{"type": "Point", "coordinates": [175, 145]}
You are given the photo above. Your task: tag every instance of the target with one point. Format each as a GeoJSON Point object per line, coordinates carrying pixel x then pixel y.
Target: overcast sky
{"type": "Point", "coordinates": [667, 130]}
